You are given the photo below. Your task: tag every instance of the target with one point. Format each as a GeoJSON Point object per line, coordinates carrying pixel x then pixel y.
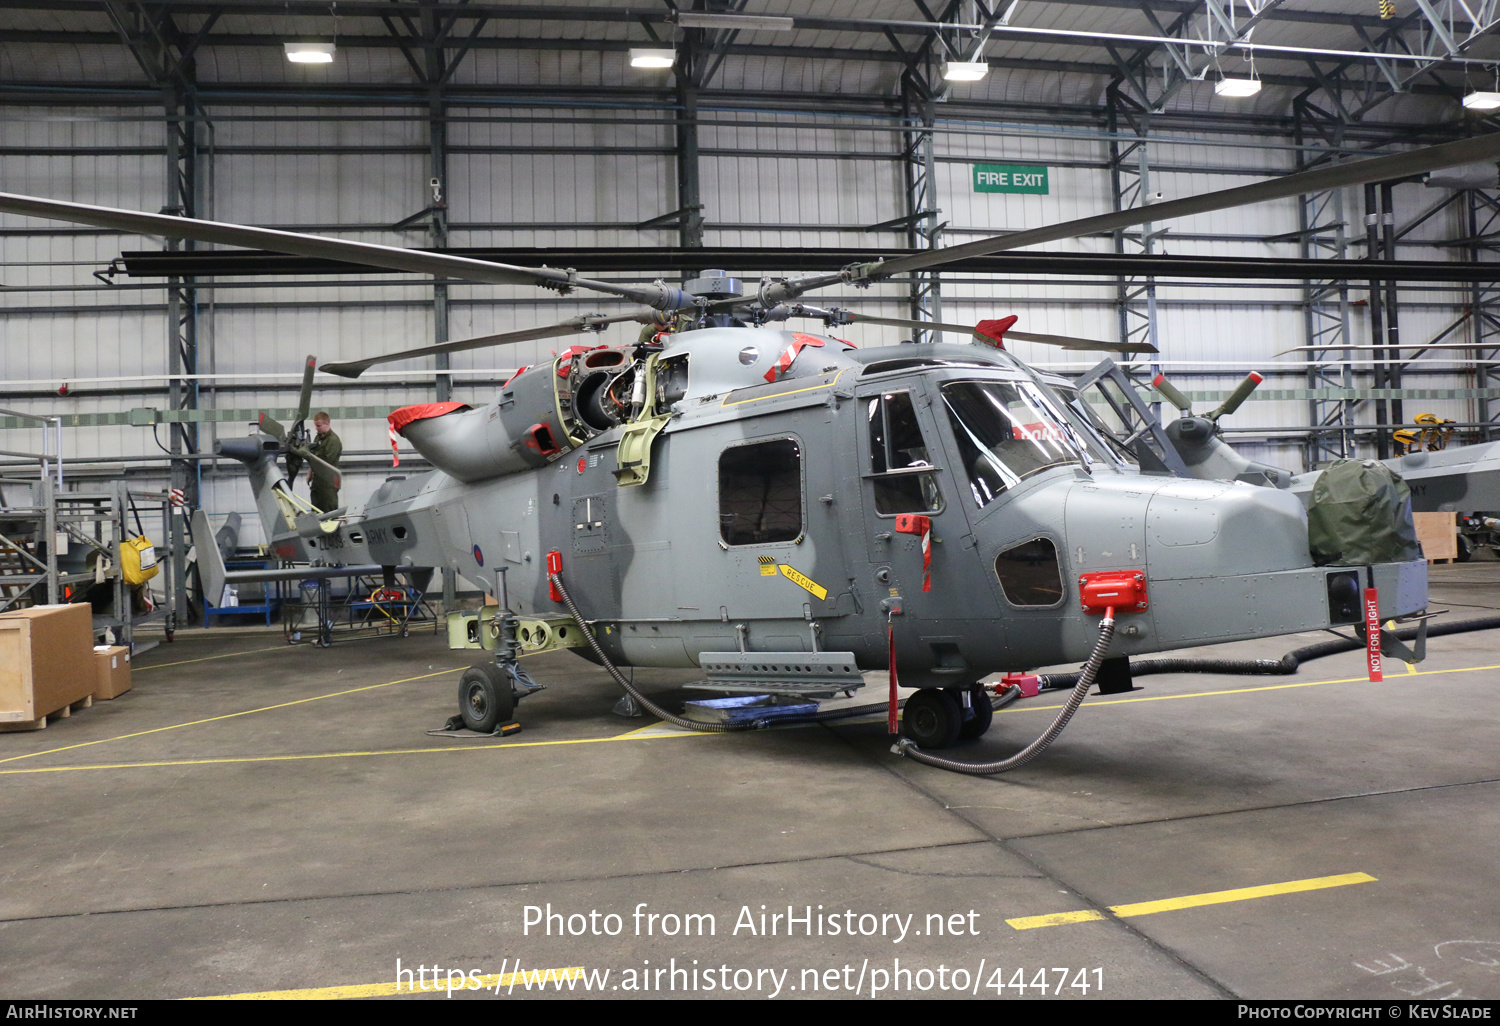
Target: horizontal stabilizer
{"type": "Point", "coordinates": [305, 573]}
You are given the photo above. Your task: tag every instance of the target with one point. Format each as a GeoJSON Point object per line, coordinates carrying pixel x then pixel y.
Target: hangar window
{"type": "Point", "coordinates": [1029, 574]}
{"type": "Point", "coordinates": [760, 492]}
{"type": "Point", "coordinates": [904, 479]}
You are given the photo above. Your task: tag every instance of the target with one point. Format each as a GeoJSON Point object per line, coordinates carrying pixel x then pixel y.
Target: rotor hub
{"type": "Point", "coordinates": [715, 284]}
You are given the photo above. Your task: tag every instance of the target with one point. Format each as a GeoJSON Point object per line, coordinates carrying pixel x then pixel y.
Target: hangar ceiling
{"type": "Point", "coordinates": [1410, 69]}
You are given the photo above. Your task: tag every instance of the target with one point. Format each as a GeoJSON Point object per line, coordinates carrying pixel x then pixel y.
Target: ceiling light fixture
{"type": "Point", "coordinates": [965, 71]}
{"type": "Point", "coordinates": [310, 53]}
{"type": "Point", "coordinates": [1481, 100]}
{"type": "Point", "coordinates": [1238, 87]}
{"type": "Point", "coordinates": [640, 58]}
{"type": "Point", "coordinates": [748, 22]}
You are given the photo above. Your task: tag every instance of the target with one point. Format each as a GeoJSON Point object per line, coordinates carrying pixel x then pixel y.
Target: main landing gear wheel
{"type": "Point", "coordinates": [932, 718]}
{"type": "Point", "coordinates": [484, 698]}
{"type": "Point", "coordinates": [984, 713]}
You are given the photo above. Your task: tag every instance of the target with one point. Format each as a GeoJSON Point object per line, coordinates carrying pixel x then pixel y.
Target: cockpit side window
{"type": "Point", "coordinates": [900, 466]}
{"type": "Point", "coordinates": [760, 492]}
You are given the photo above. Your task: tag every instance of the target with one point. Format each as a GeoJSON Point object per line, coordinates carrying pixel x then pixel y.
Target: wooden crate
{"type": "Point", "coordinates": [46, 664]}
{"type": "Point", "coordinates": [1437, 533]}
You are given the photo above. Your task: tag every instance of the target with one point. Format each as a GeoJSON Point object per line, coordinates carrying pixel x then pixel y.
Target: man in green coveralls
{"type": "Point", "coordinates": [326, 446]}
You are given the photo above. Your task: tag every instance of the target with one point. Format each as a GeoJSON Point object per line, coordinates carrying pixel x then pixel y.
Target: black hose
{"type": "Point", "coordinates": [906, 746]}
{"type": "Point", "coordinates": [656, 710]}
{"type": "Point", "coordinates": [1284, 666]}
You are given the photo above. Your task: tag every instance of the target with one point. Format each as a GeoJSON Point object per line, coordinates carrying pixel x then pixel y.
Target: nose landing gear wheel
{"type": "Point", "coordinates": [932, 718]}
{"type": "Point", "coordinates": [484, 698]}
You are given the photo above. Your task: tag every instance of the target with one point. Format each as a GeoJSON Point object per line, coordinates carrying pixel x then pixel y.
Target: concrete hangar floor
{"type": "Point", "coordinates": [258, 818]}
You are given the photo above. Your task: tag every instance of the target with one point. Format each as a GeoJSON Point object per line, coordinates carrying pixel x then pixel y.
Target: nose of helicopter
{"type": "Point", "coordinates": [1184, 529]}
{"type": "Point", "coordinates": [1222, 560]}
{"type": "Point", "coordinates": [1195, 528]}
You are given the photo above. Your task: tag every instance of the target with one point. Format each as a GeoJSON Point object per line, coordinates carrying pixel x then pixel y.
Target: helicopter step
{"type": "Point", "coordinates": [812, 674]}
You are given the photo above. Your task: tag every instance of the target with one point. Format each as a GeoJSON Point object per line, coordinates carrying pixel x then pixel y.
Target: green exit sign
{"type": "Point", "coordinates": [1010, 178]}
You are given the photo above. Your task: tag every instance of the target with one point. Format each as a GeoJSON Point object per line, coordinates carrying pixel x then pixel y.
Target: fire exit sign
{"type": "Point", "coordinates": [1010, 178]}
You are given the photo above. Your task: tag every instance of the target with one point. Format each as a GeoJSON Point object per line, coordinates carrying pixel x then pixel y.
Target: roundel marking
{"type": "Point", "coordinates": [479, 555]}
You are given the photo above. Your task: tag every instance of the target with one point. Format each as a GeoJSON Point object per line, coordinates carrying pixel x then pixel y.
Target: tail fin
{"type": "Point", "coordinates": [210, 560]}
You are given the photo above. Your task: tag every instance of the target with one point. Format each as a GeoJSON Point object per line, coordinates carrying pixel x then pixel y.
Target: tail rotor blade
{"type": "Point", "coordinates": [313, 457]}
{"type": "Point", "coordinates": [272, 427]}
{"type": "Point", "coordinates": [304, 401]}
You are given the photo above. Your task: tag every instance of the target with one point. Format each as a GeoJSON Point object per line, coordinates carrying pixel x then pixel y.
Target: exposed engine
{"type": "Point", "coordinates": [540, 413]}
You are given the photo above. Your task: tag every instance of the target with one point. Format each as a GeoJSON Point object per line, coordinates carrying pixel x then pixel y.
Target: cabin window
{"type": "Point", "coordinates": [760, 492]}
{"type": "Point", "coordinates": [902, 471]}
{"type": "Point", "coordinates": [1029, 574]}
{"type": "Point", "coordinates": [1006, 431]}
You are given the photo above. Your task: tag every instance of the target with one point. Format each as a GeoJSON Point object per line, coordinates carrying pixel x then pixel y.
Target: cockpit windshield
{"type": "Point", "coordinates": [1007, 431]}
{"type": "Point", "coordinates": [1100, 435]}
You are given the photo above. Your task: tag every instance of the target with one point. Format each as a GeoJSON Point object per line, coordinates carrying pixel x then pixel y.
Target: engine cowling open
{"type": "Point", "coordinates": [540, 414]}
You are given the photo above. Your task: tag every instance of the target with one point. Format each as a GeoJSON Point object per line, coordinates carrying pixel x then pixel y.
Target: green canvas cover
{"type": "Point", "coordinates": [1361, 514]}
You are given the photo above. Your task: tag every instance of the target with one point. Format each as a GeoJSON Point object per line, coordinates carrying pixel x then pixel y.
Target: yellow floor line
{"type": "Point", "coordinates": [1146, 908]}
{"type": "Point", "coordinates": [662, 728]}
{"type": "Point", "coordinates": [226, 655]}
{"type": "Point", "coordinates": [230, 716]}
{"type": "Point", "coordinates": [633, 735]}
{"type": "Point", "coordinates": [536, 977]}
{"type": "Point", "coordinates": [638, 734]}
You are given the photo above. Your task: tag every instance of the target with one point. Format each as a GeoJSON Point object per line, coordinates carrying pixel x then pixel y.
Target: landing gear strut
{"type": "Point", "coordinates": [983, 714]}
{"type": "Point", "coordinates": [488, 692]}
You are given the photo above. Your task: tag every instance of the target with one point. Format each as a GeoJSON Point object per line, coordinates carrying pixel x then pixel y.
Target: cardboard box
{"type": "Point", "coordinates": [1437, 533]}
{"type": "Point", "coordinates": [46, 663]}
{"type": "Point", "coordinates": [111, 671]}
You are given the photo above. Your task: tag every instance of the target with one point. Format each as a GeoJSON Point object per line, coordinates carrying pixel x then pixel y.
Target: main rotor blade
{"type": "Point", "coordinates": [1414, 346]}
{"type": "Point", "coordinates": [1378, 169]}
{"type": "Point", "coordinates": [304, 400]}
{"type": "Point", "coordinates": [1061, 341]}
{"type": "Point", "coordinates": [393, 258]}
{"type": "Point", "coordinates": [586, 322]}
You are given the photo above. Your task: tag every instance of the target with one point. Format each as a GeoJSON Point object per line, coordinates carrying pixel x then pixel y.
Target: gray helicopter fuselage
{"type": "Point", "coordinates": [771, 519]}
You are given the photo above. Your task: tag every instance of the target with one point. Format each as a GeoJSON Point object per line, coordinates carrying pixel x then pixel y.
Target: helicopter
{"type": "Point", "coordinates": [785, 511]}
